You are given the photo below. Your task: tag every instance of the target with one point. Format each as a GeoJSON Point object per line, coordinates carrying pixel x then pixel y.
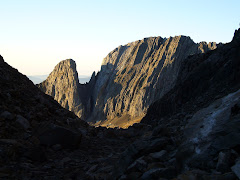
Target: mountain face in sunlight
{"type": "Point", "coordinates": [63, 85]}
{"type": "Point", "coordinates": [131, 78]}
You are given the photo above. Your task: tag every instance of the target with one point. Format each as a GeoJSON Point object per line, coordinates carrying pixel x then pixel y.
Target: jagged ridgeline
{"type": "Point", "coordinates": [132, 77]}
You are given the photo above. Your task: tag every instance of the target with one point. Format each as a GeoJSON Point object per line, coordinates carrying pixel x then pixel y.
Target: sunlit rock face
{"type": "Point", "coordinates": [137, 74]}
{"type": "Point", "coordinates": [63, 85]}
{"type": "Point", "coordinates": [131, 78]}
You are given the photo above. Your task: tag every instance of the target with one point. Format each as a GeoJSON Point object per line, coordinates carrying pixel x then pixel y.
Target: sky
{"type": "Point", "coordinates": [36, 35]}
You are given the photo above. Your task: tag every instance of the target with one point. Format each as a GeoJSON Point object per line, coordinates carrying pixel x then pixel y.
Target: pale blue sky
{"type": "Point", "coordinates": [36, 34]}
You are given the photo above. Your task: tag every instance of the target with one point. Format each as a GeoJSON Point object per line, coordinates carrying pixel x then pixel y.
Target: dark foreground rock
{"type": "Point", "coordinates": [54, 135]}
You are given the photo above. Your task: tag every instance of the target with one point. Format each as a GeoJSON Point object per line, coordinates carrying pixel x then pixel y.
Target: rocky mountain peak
{"type": "Point", "coordinates": [63, 85]}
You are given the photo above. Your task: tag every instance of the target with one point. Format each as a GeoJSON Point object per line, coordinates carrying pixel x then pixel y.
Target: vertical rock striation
{"type": "Point", "coordinates": [135, 75]}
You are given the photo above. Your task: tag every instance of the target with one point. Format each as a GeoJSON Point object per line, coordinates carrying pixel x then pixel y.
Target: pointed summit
{"type": "Point", "coordinates": [63, 85]}
{"type": "Point", "coordinates": [70, 63]}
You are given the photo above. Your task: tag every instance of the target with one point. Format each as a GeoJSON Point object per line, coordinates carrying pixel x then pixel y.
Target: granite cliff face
{"type": "Point", "coordinates": [131, 78]}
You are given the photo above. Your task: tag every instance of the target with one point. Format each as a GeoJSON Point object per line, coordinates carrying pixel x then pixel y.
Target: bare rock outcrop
{"type": "Point", "coordinates": [63, 85]}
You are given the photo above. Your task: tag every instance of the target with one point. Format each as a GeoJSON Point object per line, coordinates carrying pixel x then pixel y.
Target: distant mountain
{"type": "Point", "coordinates": [37, 78]}
{"type": "Point", "coordinates": [40, 78]}
{"type": "Point", "coordinates": [84, 79]}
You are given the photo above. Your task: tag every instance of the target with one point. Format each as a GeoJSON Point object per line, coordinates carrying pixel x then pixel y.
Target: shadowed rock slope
{"type": "Point", "coordinates": [131, 78]}
{"type": "Point", "coordinates": [30, 121]}
{"type": "Point", "coordinates": [41, 140]}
